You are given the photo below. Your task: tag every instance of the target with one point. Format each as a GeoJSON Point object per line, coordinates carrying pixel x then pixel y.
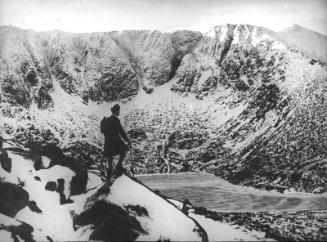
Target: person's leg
{"type": "Point", "coordinates": [109, 170]}
{"type": "Point", "coordinates": [103, 168]}
{"type": "Point", "coordinates": [120, 161]}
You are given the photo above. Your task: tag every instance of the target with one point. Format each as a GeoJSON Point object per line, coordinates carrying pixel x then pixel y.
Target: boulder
{"type": "Point", "coordinates": [13, 198]}
{"type": "Point", "coordinates": [106, 216]}
{"type": "Point", "coordinates": [5, 160]}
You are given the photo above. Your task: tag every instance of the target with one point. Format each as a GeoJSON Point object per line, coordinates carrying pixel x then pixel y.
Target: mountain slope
{"type": "Point", "coordinates": [43, 203]}
{"type": "Point", "coordinates": [48, 209]}
{"type": "Point", "coordinates": [238, 102]}
{"type": "Point", "coordinates": [273, 97]}
{"type": "Point", "coordinates": [307, 41]}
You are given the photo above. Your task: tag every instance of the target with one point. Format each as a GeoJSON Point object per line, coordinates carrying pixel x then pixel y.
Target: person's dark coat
{"type": "Point", "coordinates": [114, 133]}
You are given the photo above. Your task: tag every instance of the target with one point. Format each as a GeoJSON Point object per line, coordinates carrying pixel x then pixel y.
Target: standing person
{"type": "Point", "coordinates": [114, 135]}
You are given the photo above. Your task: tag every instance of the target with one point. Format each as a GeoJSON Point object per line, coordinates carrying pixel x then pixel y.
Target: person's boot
{"type": "Point", "coordinates": [119, 170]}
{"type": "Point", "coordinates": [109, 173]}
{"type": "Point", "coordinates": [103, 175]}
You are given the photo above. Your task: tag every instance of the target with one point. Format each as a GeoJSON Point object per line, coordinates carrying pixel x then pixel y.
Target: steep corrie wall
{"type": "Point", "coordinates": [257, 118]}
{"type": "Point", "coordinates": [96, 66]}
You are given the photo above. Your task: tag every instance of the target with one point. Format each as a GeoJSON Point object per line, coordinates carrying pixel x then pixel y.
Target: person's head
{"type": "Point", "coordinates": [115, 110]}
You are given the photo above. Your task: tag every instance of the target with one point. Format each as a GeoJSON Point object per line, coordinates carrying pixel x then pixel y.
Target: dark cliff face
{"type": "Point", "coordinates": [97, 66]}
{"type": "Point", "coordinates": [259, 102]}
{"type": "Point", "coordinates": [278, 140]}
{"type": "Point", "coordinates": [91, 66]}
{"type": "Point", "coordinates": [25, 75]}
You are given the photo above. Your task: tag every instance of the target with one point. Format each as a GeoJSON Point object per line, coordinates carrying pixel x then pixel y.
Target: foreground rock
{"type": "Point", "coordinates": [48, 208]}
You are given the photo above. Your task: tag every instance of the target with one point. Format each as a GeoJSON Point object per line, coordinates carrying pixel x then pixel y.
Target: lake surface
{"type": "Point", "coordinates": [208, 191]}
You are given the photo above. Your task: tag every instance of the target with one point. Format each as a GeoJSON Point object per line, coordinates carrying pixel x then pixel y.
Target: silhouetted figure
{"type": "Point", "coordinates": [114, 136]}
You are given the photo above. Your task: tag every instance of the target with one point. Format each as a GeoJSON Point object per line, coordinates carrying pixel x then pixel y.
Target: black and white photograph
{"type": "Point", "coordinates": [163, 120]}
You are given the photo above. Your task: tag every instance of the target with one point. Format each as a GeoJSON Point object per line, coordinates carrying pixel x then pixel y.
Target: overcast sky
{"type": "Point", "coordinates": [164, 15]}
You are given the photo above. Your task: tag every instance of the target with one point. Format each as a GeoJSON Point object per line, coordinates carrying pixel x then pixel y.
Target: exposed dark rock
{"type": "Point", "coordinates": [15, 91]}
{"type": "Point", "coordinates": [185, 41]}
{"type": "Point", "coordinates": [175, 63]}
{"type": "Point", "coordinates": [35, 139]}
{"type": "Point", "coordinates": [186, 206]}
{"type": "Point", "coordinates": [21, 232]}
{"type": "Point", "coordinates": [38, 163]}
{"type": "Point", "coordinates": [79, 181]}
{"type": "Point", "coordinates": [61, 185]}
{"type": "Point", "coordinates": [83, 151]}
{"type": "Point", "coordinates": [139, 210]}
{"type": "Point", "coordinates": [267, 97]}
{"type": "Point", "coordinates": [51, 186]}
{"type": "Point", "coordinates": [136, 134]}
{"type": "Point", "coordinates": [105, 216]}
{"type": "Point", "coordinates": [37, 178]}
{"type": "Point", "coordinates": [5, 160]}
{"type": "Point", "coordinates": [57, 157]}
{"type": "Point", "coordinates": [13, 199]}
{"type": "Point", "coordinates": [33, 206]}
{"type": "Point", "coordinates": [42, 96]}
{"type": "Point", "coordinates": [148, 90]}
{"type": "Point", "coordinates": [186, 140]}
{"type": "Point", "coordinates": [240, 85]}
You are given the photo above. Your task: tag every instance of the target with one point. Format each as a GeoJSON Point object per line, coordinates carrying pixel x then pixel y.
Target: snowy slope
{"type": "Point", "coordinates": [222, 102]}
{"type": "Point", "coordinates": [218, 231]}
{"type": "Point", "coordinates": [309, 42]}
{"type": "Point", "coordinates": [122, 205]}
{"type": "Point", "coordinates": [275, 87]}
{"type": "Point", "coordinates": [122, 209]}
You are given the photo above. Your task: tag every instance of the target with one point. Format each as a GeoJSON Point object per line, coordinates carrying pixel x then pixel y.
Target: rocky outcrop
{"type": "Point", "coordinates": [25, 77]}
{"type": "Point", "coordinates": [151, 53]}
{"type": "Point", "coordinates": [91, 66]}
{"type": "Point", "coordinates": [96, 66]}
{"type": "Point", "coordinates": [105, 211]}
{"type": "Point", "coordinates": [14, 198]}
{"type": "Point", "coordinates": [292, 154]}
{"type": "Point", "coordinates": [156, 56]}
{"type": "Point", "coordinates": [184, 42]}
{"type": "Point", "coordinates": [124, 227]}
{"type": "Point", "coordinates": [13, 230]}
{"type": "Point", "coordinates": [250, 69]}
{"type": "Point", "coordinates": [250, 88]}
{"type": "Point", "coordinates": [231, 55]}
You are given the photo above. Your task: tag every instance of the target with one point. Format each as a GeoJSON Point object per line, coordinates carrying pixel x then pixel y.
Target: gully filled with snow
{"type": "Point", "coordinates": [206, 190]}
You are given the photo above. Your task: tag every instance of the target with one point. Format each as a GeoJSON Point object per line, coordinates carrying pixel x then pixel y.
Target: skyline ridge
{"type": "Point", "coordinates": [172, 31]}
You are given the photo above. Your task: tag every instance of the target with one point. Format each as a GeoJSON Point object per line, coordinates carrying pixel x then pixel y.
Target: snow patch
{"type": "Point", "coordinates": [218, 231]}
{"type": "Point", "coordinates": [45, 161]}
{"type": "Point", "coordinates": [164, 221]}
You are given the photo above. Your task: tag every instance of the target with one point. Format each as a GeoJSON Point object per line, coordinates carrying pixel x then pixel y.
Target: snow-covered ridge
{"type": "Point", "coordinates": [124, 204]}
{"type": "Point", "coordinates": [243, 86]}
{"type": "Point", "coordinates": [40, 206]}
{"type": "Point", "coordinates": [308, 42]}
{"type": "Point", "coordinates": [115, 65]}
{"type": "Point", "coordinates": [245, 35]}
